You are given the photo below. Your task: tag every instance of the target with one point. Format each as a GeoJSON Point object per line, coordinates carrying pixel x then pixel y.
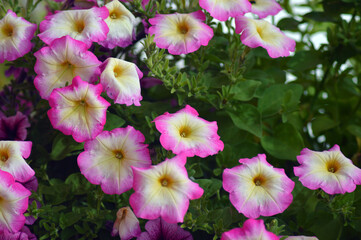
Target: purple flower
{"type": "Point", "coordinates": [159, 229]}
{"type": "Point", "coordinates": [23, 234]}
{"type": "Point", "coordinates": [14, 127]}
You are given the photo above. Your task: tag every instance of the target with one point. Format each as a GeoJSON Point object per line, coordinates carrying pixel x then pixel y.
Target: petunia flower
{"type": "Point", "coordinates": [223, 9]}
{"type": "Point", "coordinates": [163, 190]}
{"type": "Point", "coordinates": [14, 202]}
{"type": "Point", "coordinates": [121, 23]}
{"type": "Point", "coordinates": [260, 33]}
{"type": "Point", "coordinates": [251, 229]}
{"type": "Point", "coordinates": [257, 188]}
{"type": "Point", "coordinates": [329, 170]}
{"type": "Point", "coordinates": [23, 234]}
{"type": "Point", "coordinates": [264, 8]}
{"type": "Point", "coordinates": [87, 26]}
{"type": "Point", "coordinates": [126, 225]}
{"type": "Point", "coordinates": [78, 110]}
{"type": "Point", "coordinates": [12, 154]}
{"type": "Point", "coordinates": [57, 65]}
{"type": "Point", "coordinates": [15, 36]}
{"type": "Point", "coordinates": [184, 132]}
{"type": "Point", "coordinates": [107, 159]}
{"type": "Point", "coordinates": [120, 80]}
{"type": "Point", "coordinates": [158, 229]}
{"type": "Point", "coordinates": [180, 33]}
{"type": "Point", "coordinates": [14, 127]}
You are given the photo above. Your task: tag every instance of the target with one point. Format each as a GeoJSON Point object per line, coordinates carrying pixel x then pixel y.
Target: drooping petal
{"type": "Point", "coordinates": [78, 110]}
{"type": "Point", "coordinates": [107, 159]}
{"type": "Point", "coordinates": [12, 154]}
{"type": "Point", "coordinates": [329, 170]}
{"type": "Point", "coordinates": [15, 36]}
{"type": "Point", "coordinates": [121, 23]}
{"type": "Point", "coordinates": [126, 225]}
{"type": "Point", "coordinates": [260, 33]}
{"type": "Point", "coordinates": [223, 9]}
{"type": "Point", "coordinates": [120, 80]}
{"type": "Point", "coordinates": [258, 189]}
{"type": "Point", "coordinates": [180, 33]}
{"type": "Point", "coordinates": [87, 26]}
{"type": "Point", "coordinates": [264, 8]}
{"type": "Point", "coordinates": [163, 190]}
{"type": "Point", "coordinates": [184, 132]}
{"type": "Point", "coordinates": [59, 63]}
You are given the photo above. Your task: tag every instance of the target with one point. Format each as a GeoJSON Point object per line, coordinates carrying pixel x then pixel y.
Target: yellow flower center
{"type": "Point", "coordinates": [184, 131]}
{"type": "Point", "coordinates": [183, 27]}
{"type": "Point", "coordinates": [165, 181]}
{"type": "Point", "coordinates": [119, 154]}
{"type": "Point", "coordinates": [7, 30]}
{"type": "Point", "coordinates": [333, 166]}
{"type": "Point", "coordinates": [79, 25]}
{"type": "Point", "coordinates": [115, 14]}
{"type": "Point", "coordinates": [259, 180]}
{"type": "Point", "coordinates": [4, 155]}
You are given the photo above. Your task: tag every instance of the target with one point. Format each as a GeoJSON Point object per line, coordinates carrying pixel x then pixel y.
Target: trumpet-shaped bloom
{"type": "Point", "coordinates": [185, 133]}
{"type": "Point", "coordinates": [12, 154]}
{"type": "Point", "coordinates": [15, 36]}
{"type": "Point", "coordinates": [329, 170]}
{"type": "Point", "coordinates": [223, 9]}
{"type": "Point", "coordinates": [107, 159]}
{"type": "Point", "coordinates": [251, 229]}
{"type": "Point", "coordinates": [180, 33]}
{"type": "Point", "coordinates": [121, 26]}
{"type": "Point", "coordinates": [163, 190]}
{"type": "Point", "coordinates": [260, 33]}
{"type": "Point", "coordinates": [120, 80]}
{"type": "Point", "coordinates": [78, 110]}
{"type": "Point", "coordinates": [126, 225]}
{"type": "Point", "coordinates": [264, 8]}
{"type": "Point", "coordinates": [257, 188]}
{"type": "Point", "coordinates": [59, 63]}
{"type": "Point", "coordinates": [87, 26]}
{"type": "Point", "coordinates": [14, 202]}
{"type": "Point", "coordinates": [14, 127]}
{"type": "Point", "coordinates": [159, 229]}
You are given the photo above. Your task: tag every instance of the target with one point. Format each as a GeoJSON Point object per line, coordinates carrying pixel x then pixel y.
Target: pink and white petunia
{"type": "Point", "coordinates": [257, 188]}
{"type": "Point", "coordinates": [107, 159]}
{"type": "Point", "coordinates": [12, 154]}
{"type": "Point", "coordinates": [329, 170]}
{"type": "Point", "coordinates": [185, 133]}
{"type": "Point", "coordinates": [264, 8]}
{"type": "Point", "coordinates": [121, 23]}
{"type": "Point", "coordinates": [223, 9]}
{"type": "Point", "coordinates": [57, 65]}
{"type": "Point", "coordinates": [260, 33]}
{"type": "Point", "coordinates": [15, 36]}
{"type": "Point", "coordinates": [251, 229]}
{"type": "Point", "coordinates": [14, 202]}
{"type": "Point", "coordinates": [180, 33]}
{"type": "Point", "coordinates": [163, 190]}
{"type": "Point", "coordinates": [126, 225]}
{"type": "Point", "coordinates": [120, 80]}
{"type": "Point", "coordinates": [78, 110]}
{"type": "Point", "coordinates": [87, 26]}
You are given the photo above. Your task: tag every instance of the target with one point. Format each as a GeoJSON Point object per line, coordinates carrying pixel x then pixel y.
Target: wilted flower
{"type": "Point", "coordinates": [126, 225]}
{"type": "Point", "coordinates": [180, 33]}
{"type": "Point", "coordinates": [15, 36]}
{"type": "Point", "coordinates": [163, 190]}
{"type": "Point", "coordinates": [120, 80]}
{"type": "Point", "coordinates": [159, 229]}
{"type": "Point", "coordinates": [260, 33]}
{"type": "Point", "coordinates": [185, 133]}
{"type": "Point", "coordinates": [121, 26]}
{"type": "Point", "coordinates": [251, 229]}
{"type": "Point", "coordinates": [14, 202]}
{"type": "Point", "coordinates": [57, 65]}
{"type": "Point", "coordinates": [223, 9]}
{"type": "Point", "coordinates": [12, 154]}
{"type": "Point", "coordinates": [329, 170]}
{"type": "Point", "coordinates": [87, 26]}
{"type": "Point", "coordinates": [257, 188]}
{"type": "Point", "coordinates": [78, 110]}
{"type": "Point", "coordinates": [107, 159]}
{"type": "Point", "coordinates": [14, 127]}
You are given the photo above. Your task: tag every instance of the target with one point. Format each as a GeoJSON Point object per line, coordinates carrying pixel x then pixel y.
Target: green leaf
{"type": "Point", "coordinates": [279, 96]}
{"type": "Point", "coordinates": [210, 186]}
{"type": "Point", "coordinates": [286, 142]}
{"type": "Point", "coordinates": [288, 24]}
{"type": "Point", "coordinates": [69, 219]}
{"type": "Point", "coordinates": [245, 90]}
{"type": "Point", "coordinates": [113, 121]}
{"type": "Point", "coordinates": [304, 60]}
{"type": "Point", "coordinates": [321, 124]}
{"type": "Point", "coordinates": [354, 130]}
{"type": "Point", "coordinates": [63, 145]}
{"type": "Point", "coordinates": [248, 118]}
